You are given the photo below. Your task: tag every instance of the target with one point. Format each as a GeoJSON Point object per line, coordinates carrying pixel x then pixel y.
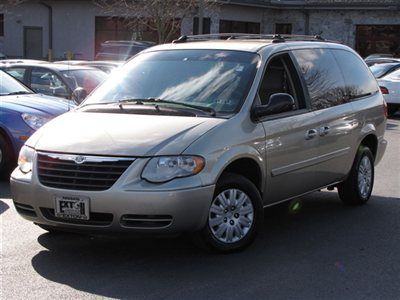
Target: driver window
{"type": "Point", "coordinates": [280, 77]}
{"type": "Point", "coordinates": [46, 82]}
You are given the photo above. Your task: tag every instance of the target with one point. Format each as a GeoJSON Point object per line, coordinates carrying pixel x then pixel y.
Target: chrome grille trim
{"type": "Point", "coordinates": [80, 172]}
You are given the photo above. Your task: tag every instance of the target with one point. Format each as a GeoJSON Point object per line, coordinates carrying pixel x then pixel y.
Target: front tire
{"type": "Point", "coordinates": [235, 215]}
{"type": "Point", "coordinates": [357, 188]}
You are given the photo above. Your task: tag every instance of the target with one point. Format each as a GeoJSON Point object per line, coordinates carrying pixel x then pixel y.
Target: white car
{"type": "Point", "coordinates": [390, 87]}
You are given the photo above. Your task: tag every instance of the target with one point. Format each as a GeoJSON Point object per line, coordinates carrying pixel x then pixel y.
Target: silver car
{"type": "Point", "coordinates": [200, 135]}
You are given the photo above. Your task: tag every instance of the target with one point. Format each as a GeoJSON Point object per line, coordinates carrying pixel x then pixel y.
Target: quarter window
{"type": "Point", "coordinates": [359, 80]}
{"type": "Point", "coordinates": [322, 76]}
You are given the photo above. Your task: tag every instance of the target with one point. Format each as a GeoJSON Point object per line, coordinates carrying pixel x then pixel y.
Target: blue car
{"type": "Point", "coordinates": [22, 112]}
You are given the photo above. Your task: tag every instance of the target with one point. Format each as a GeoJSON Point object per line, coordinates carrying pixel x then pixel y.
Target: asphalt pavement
{"type": "Point", "coordinates": [325, 251]}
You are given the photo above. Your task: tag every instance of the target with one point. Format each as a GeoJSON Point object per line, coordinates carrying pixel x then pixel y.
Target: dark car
{"type": "Point", "coordinates": [57, 79]}
{"type": "Point", "coordinates": [121, 50]}
{"type": "Point", "coordinates": [22, 112]}
{"type": "Point", "coordinates": [381, 70]}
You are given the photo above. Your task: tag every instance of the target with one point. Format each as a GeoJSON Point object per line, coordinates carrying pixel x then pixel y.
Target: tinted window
{"type": "Point", "coordinates": [46, 82]}
{"type": "Point", "coordinates": [359, 80]}
{"type": "Point", "coordinates": [322, 76]}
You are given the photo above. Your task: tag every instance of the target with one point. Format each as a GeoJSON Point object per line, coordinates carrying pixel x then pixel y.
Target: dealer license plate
{"type": "Point", "coordinates": [72, 207]}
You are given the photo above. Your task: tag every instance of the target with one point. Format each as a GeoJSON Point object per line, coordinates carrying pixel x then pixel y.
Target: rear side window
{"type": "Point", "coordinates": [358, 79]}
{"type": "Point", "coordinates": [322, 76]}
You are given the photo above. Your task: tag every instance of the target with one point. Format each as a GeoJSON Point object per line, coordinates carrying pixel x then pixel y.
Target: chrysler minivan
{"type": "Point", "coordinates": [200, 135]}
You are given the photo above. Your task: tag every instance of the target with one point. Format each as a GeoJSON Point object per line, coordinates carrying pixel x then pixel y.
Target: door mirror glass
{"type": "Point", "coordinates": [79, 95]}
{"type": "Point", "coordinates": [278, 103]}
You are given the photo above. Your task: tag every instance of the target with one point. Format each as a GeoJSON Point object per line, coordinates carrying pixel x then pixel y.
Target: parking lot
{"type": "Point", "coordinates": [325, 251]}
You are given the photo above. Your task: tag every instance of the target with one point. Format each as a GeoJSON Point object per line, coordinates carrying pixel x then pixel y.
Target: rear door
{"type": "Point", "coordinates": [290, 144]}
{"type": "Point", "coordinates": [334, 116]}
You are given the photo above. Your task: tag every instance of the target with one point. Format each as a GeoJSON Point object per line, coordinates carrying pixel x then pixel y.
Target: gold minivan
{"type": "Point", "coordinates": [200, 135]}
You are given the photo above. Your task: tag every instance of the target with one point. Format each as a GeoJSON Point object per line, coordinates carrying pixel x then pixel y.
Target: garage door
{"type": "Point", "coordinates": [372, 39]}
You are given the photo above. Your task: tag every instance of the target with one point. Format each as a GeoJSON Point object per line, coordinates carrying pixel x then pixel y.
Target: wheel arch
{"type": "Point", "coordinates": [247, 167]}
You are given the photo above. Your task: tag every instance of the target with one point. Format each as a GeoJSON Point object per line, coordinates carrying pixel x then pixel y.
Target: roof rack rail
{"type": "Point", "coordinates": [275, 38]}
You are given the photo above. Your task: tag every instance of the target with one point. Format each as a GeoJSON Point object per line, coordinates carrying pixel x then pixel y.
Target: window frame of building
{"type": "Point", "coordinates": [206, 25]}
{"type": "Point", "coordinates": [1, 25]}
{"type": "Point", "coordinates": [227, 26]}
{"type": "Point", "coordinates": [283, 28]}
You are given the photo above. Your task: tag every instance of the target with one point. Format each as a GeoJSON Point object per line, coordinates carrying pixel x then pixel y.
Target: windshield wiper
{"type": "Point", "coordinates": [139, 101]}
{"type": "Point", "coordinates": [19, 93]}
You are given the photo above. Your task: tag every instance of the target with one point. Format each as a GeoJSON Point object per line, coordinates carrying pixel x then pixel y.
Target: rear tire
{"type": "Point", "coordinates": [235, 215]}
{"type": "Point", "coordinates": [7, 160]}
{"type": "Point", "coordinates": [357, 188]}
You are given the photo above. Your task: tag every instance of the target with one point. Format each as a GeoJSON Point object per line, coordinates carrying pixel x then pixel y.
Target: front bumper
{"type": "Point", "coordinates": [158, 212]}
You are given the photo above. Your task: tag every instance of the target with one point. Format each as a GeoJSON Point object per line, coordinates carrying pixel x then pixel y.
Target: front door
{"type": "Point", "coordinates": [33, 42]}
{"type": "Point", "coordinates": [291, 139]}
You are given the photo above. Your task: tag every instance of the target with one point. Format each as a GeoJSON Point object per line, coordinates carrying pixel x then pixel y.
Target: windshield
{"type": "Point", "coordinates": [9, 85]}
{"type": "Point", "coordinates": [206, 78]}
{"type": "Point", "coordinates": [87, 79]}
{"type": "Point", "coordinates": [380, 70]}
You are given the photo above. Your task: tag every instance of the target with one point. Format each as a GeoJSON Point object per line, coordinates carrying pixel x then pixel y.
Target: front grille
{"type": "Point", "coordinates": [94, 174]}
{"type": "Point", "coordinates": [96, 219]}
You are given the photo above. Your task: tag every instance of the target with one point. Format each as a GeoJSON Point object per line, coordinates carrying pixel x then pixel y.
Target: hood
{"type": "Point", "coordinates": [120, 134]}
{"type": "Point", "coordinates": [45, 104]}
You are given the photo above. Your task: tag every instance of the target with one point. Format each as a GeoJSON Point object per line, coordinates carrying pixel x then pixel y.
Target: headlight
{"type": "Point", "coordinates": [163, 169]}
{"type": "Point", "coordinates": [34, 121]}
{"type": "Point", "coordinates": [25, 159]}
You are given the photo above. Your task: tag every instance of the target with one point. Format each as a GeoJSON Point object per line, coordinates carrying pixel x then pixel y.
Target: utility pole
{"type": "Point", "coordinates": [201, 16]}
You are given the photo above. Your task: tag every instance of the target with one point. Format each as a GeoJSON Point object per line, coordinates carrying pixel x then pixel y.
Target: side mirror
{"type": "Point", "coordinates": [278, 103]}
{"type": "Point", "coordinates": [78, 95]}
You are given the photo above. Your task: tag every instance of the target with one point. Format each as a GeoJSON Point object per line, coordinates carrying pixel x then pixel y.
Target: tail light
{"type": "Point", "coordinates": [384, 90]}
{"type": "Point", "coordinates": [385, 108]}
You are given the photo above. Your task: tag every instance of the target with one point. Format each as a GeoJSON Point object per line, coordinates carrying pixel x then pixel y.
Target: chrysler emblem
{"type": "Point", "coordinates": [79, 159]}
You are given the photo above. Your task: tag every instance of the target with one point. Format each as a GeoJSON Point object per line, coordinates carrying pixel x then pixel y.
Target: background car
{"type": "Point", "coordinates": [57, 80]}
{"type": "Point", "coordinates": [22, 112]}
{"type": "Point", "coordinates": [121, 50]}
{"type": "Point", "coordinates": [381, 60]}
{"type": "Point", "coordinates": [390, 88]}
{"type": "Point", "coordinates": [105, 66]}
{"type": "Point", "coordinates": [381, 70]}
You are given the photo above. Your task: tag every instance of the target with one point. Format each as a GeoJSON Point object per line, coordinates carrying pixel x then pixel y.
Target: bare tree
{"type": "Point", "coordinates": [5, 3]}
{"type": "Point", "coordinates": [161, 16]}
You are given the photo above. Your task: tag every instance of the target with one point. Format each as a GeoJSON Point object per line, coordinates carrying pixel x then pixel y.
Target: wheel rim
{"type": "Point", "coordinates": [365, 177]}
{"type": "Point", "coordinates": [231, 216]}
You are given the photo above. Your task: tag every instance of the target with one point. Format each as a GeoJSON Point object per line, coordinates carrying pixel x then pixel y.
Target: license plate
{"type": "Point", "coordinates": [72, 207]}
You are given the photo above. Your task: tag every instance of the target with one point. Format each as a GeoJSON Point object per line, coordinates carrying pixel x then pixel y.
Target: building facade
{"type": "Point", "coordinates": [79, 26]}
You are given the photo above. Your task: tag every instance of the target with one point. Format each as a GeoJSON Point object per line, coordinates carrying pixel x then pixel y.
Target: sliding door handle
{"type": "Point", "coordinates": [312, 133]}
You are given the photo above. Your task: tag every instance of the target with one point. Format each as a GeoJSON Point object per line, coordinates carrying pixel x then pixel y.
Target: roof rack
{"type": "Point", "coordinates": [275, 38]}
